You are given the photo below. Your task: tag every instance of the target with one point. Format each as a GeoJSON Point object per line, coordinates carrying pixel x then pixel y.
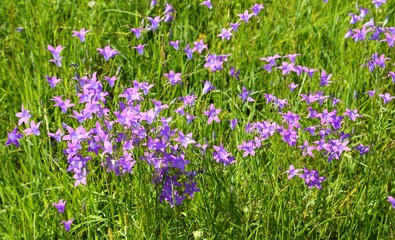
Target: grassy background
{"type": "Point", "coordinates": [251, 199]}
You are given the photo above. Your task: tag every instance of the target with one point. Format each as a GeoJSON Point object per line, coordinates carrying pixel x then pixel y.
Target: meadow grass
{"type": "Point", "coordinates": [249, 199]}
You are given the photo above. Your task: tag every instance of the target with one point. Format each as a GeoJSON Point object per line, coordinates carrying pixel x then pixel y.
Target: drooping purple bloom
{"type": "Point", "coordinates": [207, 3]}
{"type": "Point", "coordinates": [390, 39]}
{"type": "Point", "coordinates": [34, 129]}
{"type": "Point", "coordinates": [207, 87]}
{"type": "Point", "coordinates": [325, 79]}
{"type": "Point", "coordinates": [199, 46]}
{"type": "Point", "coordinates": [378, 3]}
{"type": "Point", "coordinates": [57, 136]}
{"type": "Point", "coordinates": [23, 116]}
{"type": "Point", "coordinates": [235, 26]}
{"type": "Point", "coordinates": [292, 57]}
{"type": "Point", "coordinates": [81, 34]}
{"type": "Point", "coordinates": [175, 44]}
{"type": "Point", "coordinates": [188, 51]}
{"type": "Point", "coordinates": [306, 149]}
{"type": "Point", "coordinates": [174, 78]}
{"type": "Point", "coordinates": [257, 8]}
{"type": "Point", "coordinates": [61, 205]}
{"type": "Point", "coordinates": [234, 73]}
{"type": "Point", "coordinates": [311, 178]}
{"type": "Point", "coordinates": [386, 97]}
{"type": "Point", "coordinates": [184, 140]}
{"type": "Point", "coordinates": [245, 95]}
{"type": "Point", "coordinates": [287, 68]}
{"type": "Point", "coordinates": [107, 52]}
{"type": "Point", "coordinates": [137, 32]}
{"type": "Point", "coordinates": [140, 48]}
{"type": "Point", "coordinates": [392, 201]}
{"type": "Point", "coordinates": [354, 18]}
{"type": "Point", "coordinates": [222, 156]}
{"type": "Point", "coordinates": [111, 80]}
{"type": "Point", "coordinates": [392, 75]}
{"type": "Point", "coordinates": [292, 172]}
{"type": "Point", "coordinates": [55, 51]}
{"type": "Point", "coordinates": [225, 34]}
{"type": "Point", "coordinates": [212, 114]}
{"type": "Point", "coordinates": [53, 81]}
{"type": "Point", "coordinates": [154, 22]}
{"type": "Point", "coordinates": [292, 86]}
{"type": "Point", "coordinates": [245, 16]}
{"type": "Point", "coordinates": [362, 149]}
{"type": "Point", "coordinates": [352, 114]}
{"type": "Point", "coordinates": [13, 137]}
{"type": "Point", "coordinates": [67, 224]}
{"type": "Point", "coordinates": [64, 105]}
{"type": "Point", "coordinates": [233, 123]}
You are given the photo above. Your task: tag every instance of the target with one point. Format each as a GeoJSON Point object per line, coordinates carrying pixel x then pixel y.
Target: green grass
{"type": "Point", "coordinates": [251, 199]}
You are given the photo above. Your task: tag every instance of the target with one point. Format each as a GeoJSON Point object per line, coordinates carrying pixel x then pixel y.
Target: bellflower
{"type": "Point", "coordinates": [13, 137]}
{"type": "Point", "coordinates": [225, 34]}
{"type": "Point", "coordinates": [154, 22]}
{"type": "Point", "coordinates": [245, 16]}
{"type": "Point", "coordinates": [34, 129]}
{"type": "Point", "coordinates": [175, 44]}
{"type": "Point", "coordinates": [61, 205]}
{"type": "Point", "coordinates": [81, 34]}
{"type": "Point", "coordinates": [199, 46]}
{"type": "Point", "coordinates": [53, 81]}
{"type": "Point", "coordinates": [23, 116]}
{"type": "Point", "coordinates": [212, 114]}
{"type": "Point", "coordinates": [67, 224]}
{"type": "Point", "coordinates": [207, 87]}
{"type": "Point", "coordinates": [174, 78]}
{"type": "Point", "coordinates": [386, 97]}
{"type": "Point", "coordinates": [107, 52]}
{"type": "Point", "coordinates": [257, 8]}
{"type": "Point", "coordinates": [137, 32]}
{"type": "Point", "coordinates": [207, 3]}
{"type": "Point", "coordinates": [140, 48]}
{"type": "Point", "coordinates": [392, 201]}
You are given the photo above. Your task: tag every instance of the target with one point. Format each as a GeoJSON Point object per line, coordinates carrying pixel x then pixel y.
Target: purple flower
{"type": "Point", "coordinates": [212, 114]}
{"type": "Point", "coordinates": [234, 73]}
{"type": "Point", "coordinates": [325, 79]}
{"type": "Point", "coordinates": [154, 22]}
{"type": "Point", "coordinates": [390, 39]}
{"type": "Point", "coordinates": [107, 52]}
{"type": "Point", "coordinates": [207, 87]}
{"type": "Point", "coordinates": [154, 2]}
{"type": "Point", "coordinates": [363, 12]}
{"type": "Point", "coordinates": [248, 148]}
{"type": "Point", "coordinates": [235, 26]}
{"type": "Point", "coordinates": [245, 95]}
{"type": "Point", "coordinates": [188, 51]}
{"type": "Point", "coordinates": [61, 205]}
{"type": "Point", "coordinates": [23, 116]}
{"type": "Point", "coordinates": [137, 32]}
{"type": "Point", "coordinates": [392, 201]}
{"type": "Point", "coordinates": [67, 224]}
{"type": "Point", "coordinates": [140, 48]}
{"type": "Point", "coordinates": [53, 81]}
{"type": "Point", "coordinates": [362, 149]}
{"type": "Point", "coordinates": [64, 105]}
{"type": "Point", "coordinates": [292, 86]}
{"type": "Point", "coordinates": [57, 136]}
{"type": "Point", "coordinates": [233, 123]}
{"type": "Point", "coordinates": [354, 18]}
{"type": "Point", "coordinates": [81, 34]}
{"type": "Point", "coordinates": [34, 129]}
{"type": "Point", "coordinates": [225, 34]}
{"type": "Point", "coordinates": [245, 16]}
{"type": "Point", "coordinates": [311, 178]}
{"type": "Point", "coordinates": [175, 44]}
{"type": "Point", "coordinates": [184, 140]}
{"type": "Point", "coordinates": [174, 78]}
{"type": "Point", "coordinates": [307, 149]}
{"type": "Point", "coordinates": [207, 3]}
{"type": "Point", "coordinates": [378, 3]}
{"type": "Point", "coordinates": [386, 97]}
{"type": "Point", "coordinates": [199, 46]}
{"type": "Point", "coordinates": [111, 80]}
{"type": "Point", "coordinates": [392, 75]}
{"type": "Point", "coordinates": [292, 57]}
{"type": "Point", "coordinates": [352, 114]}
{"type": "Point", "coordinates": [287, 68]}
{"type": "Point", "coordinates": [13, 137]}
{"type": "Point", "coordinates": [292, 172]}
{"type": "Point", "coordinates": [190, 188]}
{"type": "Point", "coordinates": [222, 156]}
{"type": "Point", "coordinates": [256, 9]}
{"type": "Point", "coordinates": [360, 34]}
{"type": "Point", "coordinates": [55, 51]}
